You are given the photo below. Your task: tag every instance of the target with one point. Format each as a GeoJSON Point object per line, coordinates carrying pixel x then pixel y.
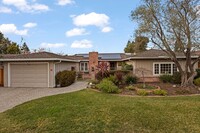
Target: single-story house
{"type": "Point", "coordinates": [150, 64]}
{"type": "Point", "coordinates": [153, 63]}
{"type": "Point", "coordinates": [39, 69]}
{"type": "Point", "coordinates": [33, 70]}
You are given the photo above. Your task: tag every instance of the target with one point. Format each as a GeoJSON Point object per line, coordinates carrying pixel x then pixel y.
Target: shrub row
{"type": "Point", "coordinates": [197, 81]}
{"type": "Point", "coordinates": [111, 83]}
{"type": "Point", "coordinates": [197, 78]}
{"type": "Point", "coordinates": [65, 78]}
{"type": "Point", "coordinates": [119, 78]}
{"type": "Point", "coordinates": [175, 78]}
{"type": "Point", "coordinates": [101, 75]}
{"type": "Point", "coordinates": [198, 74]}
{"type": "Point", "coordinates": [131, 79]}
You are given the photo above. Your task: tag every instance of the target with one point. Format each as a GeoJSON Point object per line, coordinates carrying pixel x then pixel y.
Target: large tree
{"type": "Point", "coordinates": [4, 43]}
{"type": "Point", "coordinates": [13, 49]}
{"type": "Point", "coordinates": [140, 44]}
{"type": "Point", "coordinates": [172, 25]}
{"type": "Point", "coordinates": [7, 46]}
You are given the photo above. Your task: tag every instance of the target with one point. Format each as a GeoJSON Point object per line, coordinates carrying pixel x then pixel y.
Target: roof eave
{"type": "Point", "coordinates": [163, 57]}
{"type": "Point", "coordinates": [40, 59]}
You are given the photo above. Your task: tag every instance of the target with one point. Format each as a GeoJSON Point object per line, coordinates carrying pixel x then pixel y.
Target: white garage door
{"type": "Point", "coordinates": [29, 75]}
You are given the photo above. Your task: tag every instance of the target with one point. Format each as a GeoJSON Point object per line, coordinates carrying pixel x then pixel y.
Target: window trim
{"type": "Point", "coordinates": [84, 68]}
{"type": "Point", "coordinates": [171, 63]}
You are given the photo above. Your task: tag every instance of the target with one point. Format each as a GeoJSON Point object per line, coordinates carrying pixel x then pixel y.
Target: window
{"type": "Point", "coordinates": [156, 68]}
{"type": "Point", "coordinates": [113, 65]}
{"type": "Point", "coordinates": [72, 68]}
{"type": "Point", "coordinates": [164, 68]}
{"type": "Point", "coordinates": [84, 66]}
{"type": "Point", "coordinates": [174, 68]}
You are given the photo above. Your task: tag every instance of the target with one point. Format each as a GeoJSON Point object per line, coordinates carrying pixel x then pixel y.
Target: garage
{"type": "Point", "coordinates": [29, 75]}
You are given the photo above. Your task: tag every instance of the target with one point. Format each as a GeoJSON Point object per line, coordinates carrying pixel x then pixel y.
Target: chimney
{"type": "Point", "coordinates": [93, 63]}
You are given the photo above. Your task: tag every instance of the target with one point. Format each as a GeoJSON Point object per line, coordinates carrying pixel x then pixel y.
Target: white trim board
{"type": "Point", "coordinates": [9, 75]}
{"type": "Point", "coordinates": [159, 67]}
{"type": "Point", "coordinates": [40, 59]}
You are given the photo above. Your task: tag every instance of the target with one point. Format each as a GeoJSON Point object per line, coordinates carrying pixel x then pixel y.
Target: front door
{"type": "Point", "coordinates": [1, 77]}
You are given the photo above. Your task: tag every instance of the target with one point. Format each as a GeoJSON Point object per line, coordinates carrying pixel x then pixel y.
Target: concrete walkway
{"type": "Point", "coordinates": [10, 97]}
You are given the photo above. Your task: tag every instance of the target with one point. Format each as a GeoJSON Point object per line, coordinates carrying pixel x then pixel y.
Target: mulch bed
{"type": "Point", "coordinates": [170, 88]}
{"type": "Point", "coordinates": [177, 89]}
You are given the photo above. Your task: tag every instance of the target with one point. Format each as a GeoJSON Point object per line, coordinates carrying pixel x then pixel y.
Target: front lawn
{"type": "Point", "coordinates": [89, 111]}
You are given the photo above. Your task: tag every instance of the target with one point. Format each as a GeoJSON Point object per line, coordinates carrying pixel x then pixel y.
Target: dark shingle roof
{"type": "Point", "coordinates": [39, 56]}
{"type": "Point", "coordinates": [155, 54]}
{"type": "Point", "coordinates": [149, 54]}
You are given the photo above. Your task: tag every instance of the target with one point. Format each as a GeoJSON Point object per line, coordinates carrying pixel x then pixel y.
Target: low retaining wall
{"type": "Point", "coordinates": [149, 79]}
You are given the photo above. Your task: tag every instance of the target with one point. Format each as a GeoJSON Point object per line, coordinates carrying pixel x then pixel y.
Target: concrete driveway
{"type": "Point", "coordinates": [10, 97]}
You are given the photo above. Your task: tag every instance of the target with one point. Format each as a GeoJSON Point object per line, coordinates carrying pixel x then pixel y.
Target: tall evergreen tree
{"type": "Point", "coordinates": [25, 48]}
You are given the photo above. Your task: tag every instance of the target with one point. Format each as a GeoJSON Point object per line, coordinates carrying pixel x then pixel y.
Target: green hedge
{"type": "Point", "coordinates": [176, 78]}
{"type": "Point", "coordinates": [107, 86]}
{"type": "Point", "coordinates": [141, 92]}
{"type": "Point", "coordinates": [131, 79]}
{"type": "Point", "coordinates": [166, 78]}
{"type": "Point", "coordinates": [160, 92]}
{"type": "Point", "coordinates": [65, 78]}
{"type": "Point", "coordinates": [57, 78]}
{"type": "Point", "coordinates": [198, 74]}
{"type": "Point", "coordinates": [197, 82]}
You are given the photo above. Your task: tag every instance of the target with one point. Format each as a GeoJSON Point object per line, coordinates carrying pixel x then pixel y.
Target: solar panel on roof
{"type": "Point", "coordinates": [110, 56]}
{"type": "Point", "coordinates": [84, 55]}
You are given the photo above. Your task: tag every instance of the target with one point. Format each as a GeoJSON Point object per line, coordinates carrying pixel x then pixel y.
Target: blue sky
{"type": "Point", "coordinates": [69, 26]}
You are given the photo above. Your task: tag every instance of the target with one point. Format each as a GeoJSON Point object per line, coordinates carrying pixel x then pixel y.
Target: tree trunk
{"type": "Point", "coordinates": [187, 80]}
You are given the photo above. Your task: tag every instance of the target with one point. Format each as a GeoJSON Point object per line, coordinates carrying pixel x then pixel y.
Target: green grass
{"type": "Point", "coordinates": [88, 111]}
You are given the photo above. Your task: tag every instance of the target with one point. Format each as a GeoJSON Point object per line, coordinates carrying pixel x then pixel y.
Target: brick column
{"type": "Point", "coordinates": [93, 63]}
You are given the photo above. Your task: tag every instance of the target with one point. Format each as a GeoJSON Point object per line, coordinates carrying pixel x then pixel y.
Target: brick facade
{"type": "Point", "coordinates": [93, 63]}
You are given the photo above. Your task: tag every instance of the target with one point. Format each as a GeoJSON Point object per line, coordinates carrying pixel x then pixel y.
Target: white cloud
{"type": "Point", "coordinates": [5, 10]}
{"type": "Point", "coordinates": [15, 2]}
{"type": "Point", "coordinates": [82, 44]}
{"type": "Point", "coordinates": [76, 32]}
{"type": "Point", "coordinates": [99, 20]}
{"type": "Point", "coordinates": [92, 19]}
{"type": "Point", "coordinates": [52, 45]}
{"type": "Point", "coordinates": [65, 2]}
{"type": "Point", "coordinates": [24, 6]}
{"type": "Point", "coordinates": [12, 29]}
{"type": "Point", "coordinates": [40, 7]}
{"type": "Point", "coordinates": [30, 25]}
{"type": "Point", "coordinates": [106, 29]}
